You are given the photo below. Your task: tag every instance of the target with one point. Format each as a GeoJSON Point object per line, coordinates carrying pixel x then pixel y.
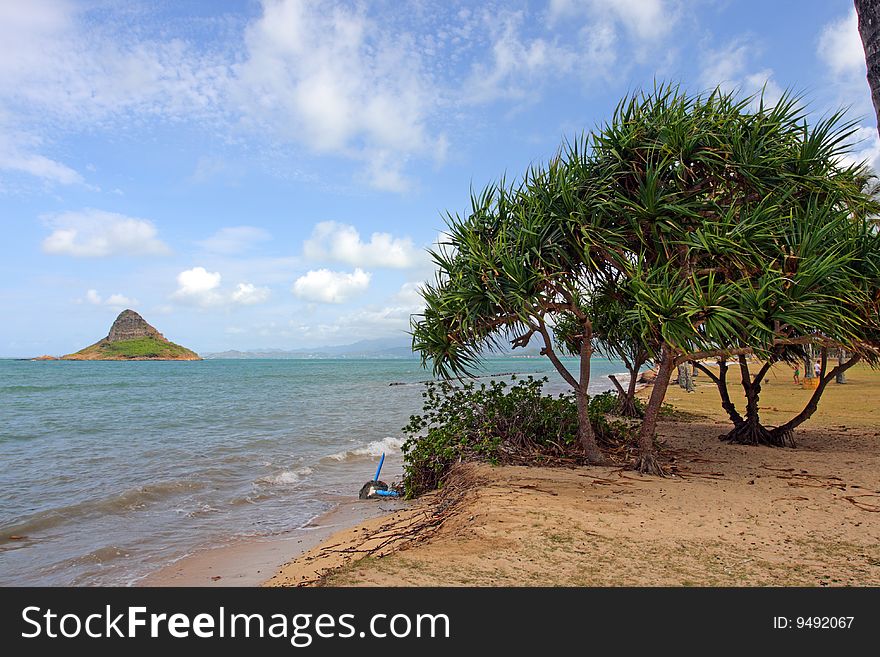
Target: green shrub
{"type": "Point", "coordinates": [496, 423]}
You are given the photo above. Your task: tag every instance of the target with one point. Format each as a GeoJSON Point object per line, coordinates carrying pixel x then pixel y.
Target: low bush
{"type": "Point", "coordinates": [496, 423]}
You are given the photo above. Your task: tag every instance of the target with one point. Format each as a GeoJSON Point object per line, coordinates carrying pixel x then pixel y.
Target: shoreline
{"type": "Point", "coordinates": [252, 561]}
{"type": "Point", "coordinates": [265, 561]}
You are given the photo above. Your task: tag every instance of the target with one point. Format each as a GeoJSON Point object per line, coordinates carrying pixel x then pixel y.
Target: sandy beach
{"type": "Point", "coordinates": [250, 562]}
{"type": "Point", "coordinates": [727, 515]}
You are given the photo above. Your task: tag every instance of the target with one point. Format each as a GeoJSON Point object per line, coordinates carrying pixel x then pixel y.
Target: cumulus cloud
{"type": "Point", "coordinates": [235, 239]}
{"type": "Point", "coordinates": [525, 55]}
{"type": "Point", "coordinates": [342, 243]}
{"type": "Point", "coordinates": [93, 233]}
{"type": "Point", "coordinates": [410, 295]}
{"type": "Point", "coordinates": [248, 294]}
{"type": "Point", "coordinates": [200, 287]}
{"type": "Point", "coordinates": [840, 45]}
{"type": "Point", "coordinates": [114, 300]}
{"type": "Point", "coordinates": [326, 286]}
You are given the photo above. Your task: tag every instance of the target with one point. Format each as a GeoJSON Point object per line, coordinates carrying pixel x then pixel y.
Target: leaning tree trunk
{"type": "Point", "coordinates": [630, 408]}
{"type": "Point", "coordinates": [785, 432]}
{"type": "Point", "coordinates": [720, 382]}
{"type": "Point", "coordinates": [646, 462]}
{"type": "Point", "coordinates": [868, 12]}
{"type": "Point", "coordinates": [626, 399]}
{"type": "Point", "coordinates": [750, 431]}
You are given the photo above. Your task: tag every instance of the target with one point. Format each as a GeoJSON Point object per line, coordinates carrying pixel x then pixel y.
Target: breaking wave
{"type": "Point", "coordinates": [375, 448]}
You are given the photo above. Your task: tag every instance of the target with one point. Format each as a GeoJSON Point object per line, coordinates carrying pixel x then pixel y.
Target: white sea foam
{"type": "Point", "coordinates": [289, 477]}
{"type": "Point", "coordinates": [375, 448]}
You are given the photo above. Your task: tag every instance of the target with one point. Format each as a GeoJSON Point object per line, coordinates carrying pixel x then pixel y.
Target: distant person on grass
{"type": "Point", "coordinates": [797, 375]}
{"type": "Point", "coordinates": [817, 368]}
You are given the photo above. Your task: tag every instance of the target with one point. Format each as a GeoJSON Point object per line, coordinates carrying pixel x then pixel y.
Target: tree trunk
{"type": "Point", "coordinates": [620, 391]}
{"type": "Point", "coordinates": [868, 12]}
{"type": "Point", "coordinates": [785, 432]}
{"type": "Point", "coordinates": [646, 462]}
{"type": "Point", "coordinates": [586, 436]}
{"type": "Point", "coordinates": [720, 382]}
{"type": "Point", "coordinates": [626, 399]}
{"type": "Point", "coordinates": [750, 431]}
{"type": "Point", "coordinates": [688, 379]}
{"type": "Point", "coordinates": [631, 409]}
{"type": "Point", "coordinates": [682, 376]}
{"type": "Point", "coordinates": [808, 362]}
{"type": "Point", "coordinates": [841, 360]}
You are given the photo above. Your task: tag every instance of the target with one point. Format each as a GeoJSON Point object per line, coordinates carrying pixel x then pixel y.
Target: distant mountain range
{"type": "Point", "coordinates": [377, 348]}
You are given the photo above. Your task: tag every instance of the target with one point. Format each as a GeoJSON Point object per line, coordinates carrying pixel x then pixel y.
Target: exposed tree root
{"type": "Point", "coordinates": [755, 433]}
{"type": "Point", "coordinates": [648, 464]}
{"type": "Point", "coordinates": [626, 407]}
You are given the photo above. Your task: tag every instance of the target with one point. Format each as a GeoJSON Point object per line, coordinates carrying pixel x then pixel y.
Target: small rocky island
{"type": "Point", "coordinates": [132, 338]}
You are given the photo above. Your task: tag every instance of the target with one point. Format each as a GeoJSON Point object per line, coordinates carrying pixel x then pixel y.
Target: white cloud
{"type": "Point", "coordinates": [325, 286]}
{"type": "Point", "coordinates": [865, 148]}
{"type": "Point", "coordinates": [93, 233]}
{"type": "Point", "coordinates": [17, 154]}
{"type": "Point", "coordinates": [198, 285]}
{"type": "Point", "coordinates": [79, 69]}
{"type": "Point", "coordinates": [840, 45]}
{"type": "Point", "coordinates": [248, 294]}
{"type": "Point", "coordinates": [119, 300]}
{"type": "Point", "coordinates": [236, 239]}
{"type": "Point", "coordinates": [517, 63]}
{"type": "Point", "coordinates": [645, 19]}
{"type": "Point", "coordinates": [731, 69]}
{"type": "Point", "coordinates": [342, 243]}
{"type": "Point", "coordinates": [114, 300]}
{"type": "Point", "coordinates": [610, 35]}
{"type": "Point", "coordinates": [201, 287]}
{"type": "Point", "coordinates": [410, 295]}
{"type": "Point", "coordinates": [328, 76]}
{"type": "Point", "coordinates": [392, 317]}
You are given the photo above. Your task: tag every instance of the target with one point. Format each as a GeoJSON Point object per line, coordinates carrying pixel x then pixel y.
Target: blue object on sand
{"type": "Point", "coordinates": [379, 469]}
{"type": "Point", "coordinates": [386, 493]}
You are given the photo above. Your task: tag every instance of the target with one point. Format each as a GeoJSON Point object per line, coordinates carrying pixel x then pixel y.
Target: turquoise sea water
{"type": "Point", "coordinates": [111, 470]}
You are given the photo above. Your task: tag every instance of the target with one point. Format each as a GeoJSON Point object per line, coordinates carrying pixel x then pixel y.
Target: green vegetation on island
{"type": "Point", "coordinates": [147, 348]}
{"type": "Point", "coordinates": [132, 338]}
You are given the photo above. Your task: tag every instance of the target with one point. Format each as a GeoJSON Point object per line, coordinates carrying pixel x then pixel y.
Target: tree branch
{"type": "Point", "coordinates": [548, 351]}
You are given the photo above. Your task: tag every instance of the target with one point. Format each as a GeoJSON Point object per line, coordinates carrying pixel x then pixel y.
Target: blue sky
{"type": "Point", "coordinates": [268, 174]}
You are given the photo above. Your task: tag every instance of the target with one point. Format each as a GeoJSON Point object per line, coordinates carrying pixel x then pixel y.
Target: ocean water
{"type": "Point", "coordinates": [112, 470]}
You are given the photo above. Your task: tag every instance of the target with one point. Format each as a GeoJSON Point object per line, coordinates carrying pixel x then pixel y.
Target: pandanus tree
{"type": "Point", "coordinates": [702, 217]}
{"type": "Point", "coordinates": [813, 294]}
{"type": "Point", "coordinates": [504, 274]}
{"type": "Point", "coordinates": [726, 205]}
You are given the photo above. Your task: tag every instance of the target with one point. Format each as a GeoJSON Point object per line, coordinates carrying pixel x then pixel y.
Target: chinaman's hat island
{"type": "Point", "coordinates": [132, 338]}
